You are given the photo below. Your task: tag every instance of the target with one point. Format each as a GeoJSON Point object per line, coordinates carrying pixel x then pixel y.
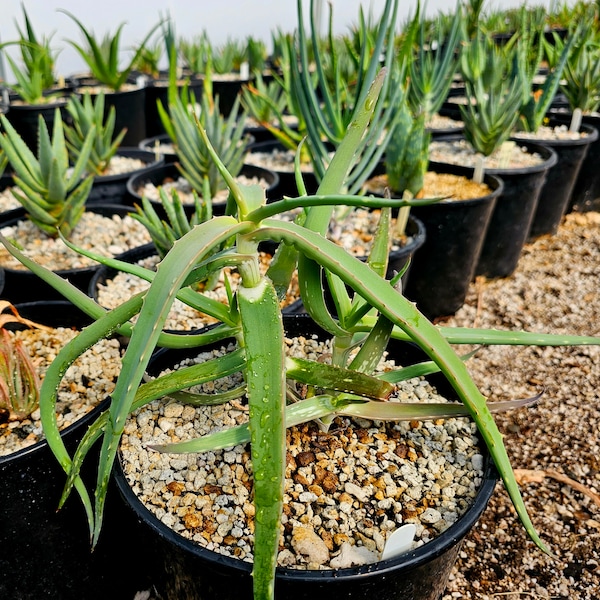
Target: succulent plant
{"type": "Point", "coordinates": [163, 232]}
{"type": "Point", "coordinates": [52, 193]}
{"type": "Point", "coordinates": [225, 133]}
{"type": "Point", "coordinates": [495, 91]}
{"type": "Point", "coordinates": [88, 117]}
{"type": "Point", "coordinates": [102, 55]}
{"type": "Point", "coordinates": [19, 379]}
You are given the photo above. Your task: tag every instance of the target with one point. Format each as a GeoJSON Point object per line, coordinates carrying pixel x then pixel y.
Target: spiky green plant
{"type": "Point", "coordinates": [52, 193]}
{"type": "Point", "coordinates": [529, 54]}
{"type": "Point", "coordinates": [35, 74]}
{"type": "Point", "coordinates": [88, 115]}
{"type": "Point", "coordinates": [369, 311]}
{"type": "Point", "coordinates": [165, 233]}
{"type": "Point", "coordinates": [329, 105]}
{"type": "Point", "coordinates": [581, 74]}
{"type": "Point", "coordinates": [495, 92]}
{"type": "Point", "coordinates": [225, 133]}
{"type": "Point", "coordinates": [102, 55]}
{"type": "Point", "coordinates": [19, 379]}
{"type": "Point", "coordinates": [434, 62]}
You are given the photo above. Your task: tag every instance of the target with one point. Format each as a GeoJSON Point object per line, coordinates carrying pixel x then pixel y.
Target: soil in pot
{"type": "Point", "coordinates": [167, 176]}
{"type": "Point", "coordinates": [571, 148]}
{"type": "Point", "coordinates": [45, 552]}
{"type": "Point", "coordinates": [522, 168]}
{"type": "Point", "coordinates": [161, 146]}
{"type": "Point", "coordinates": [105, 229]}
{"type": "Point", "coordinates": [111, 186]}
{"type": "Point", "coordinates": [346, 491]}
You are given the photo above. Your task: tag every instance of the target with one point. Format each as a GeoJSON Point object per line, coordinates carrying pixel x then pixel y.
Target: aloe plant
{"type": "Point", "coordinates": [165, 233]}
{"type": "Point", "coordinates": [434, 62]}
{"type": "Point", "coordinates": [225, 133]}
{"type": "Point", "coordinates": [89, 118]}
{"type": "Point", "coordinates": [19, 379]}
{"type": "Point", "coordinates": [36, 73]}
{"type": "Point", "coordinates": [530, 54]}
{"type": "Point", "coordinates": [369, 311]}
{"type": "Point", "coordinates": [52, 193]}
{"type": "Point", "coordinates": [102, 55]}
{"type": "Point", "coordinates": [581, 74]}
{"type": "Point", "coordinates": [329, 105]}
{"type": "Point", "coordinates": [495, 92]}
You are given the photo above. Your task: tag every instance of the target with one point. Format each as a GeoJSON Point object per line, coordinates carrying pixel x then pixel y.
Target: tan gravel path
{"type": "Point", "coordinates": [556, 288]}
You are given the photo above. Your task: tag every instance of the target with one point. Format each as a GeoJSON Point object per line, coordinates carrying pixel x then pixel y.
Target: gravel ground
{"type": "Point", "coordinates": [554, 289]}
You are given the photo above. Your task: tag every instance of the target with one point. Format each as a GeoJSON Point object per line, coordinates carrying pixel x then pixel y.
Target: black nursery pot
{"type": "Point", "coordinates": [181, 569]}
{"type": "Point", "coordinates": [45, 553]}
{"type": "Point", "coordinates": [130, 111]}
{"type": "Point", "coordinates": [169, 172]}
{"type": "Point", "coordinates": [112, 189]}
{"type": "Point", "coordinates": [585, 195]}
{"type": "Point", "coordinates": [512, 216]}
{"type": "Point", "coordinates": [560, 181]}
{"type": "Point", "coordinates": [21, 285]}
{"type": "Point", "coordinates": [443, 268]}
{"type": "Point", "coordinates": [25, 118]}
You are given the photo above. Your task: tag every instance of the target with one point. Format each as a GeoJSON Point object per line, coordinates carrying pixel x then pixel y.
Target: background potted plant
{"type": "Point", "coordinates": [102, 57]}
{"type": "Point", "coordinates": [54, 196]}
{"type": "Point", "coordinates": [495, 91]}
{"type": "Point", "coordinates": [36, 89]}
{"type": "Point", "coordinates": [194, 169]}
{"type": "Point", "coordinates": [111, 163]}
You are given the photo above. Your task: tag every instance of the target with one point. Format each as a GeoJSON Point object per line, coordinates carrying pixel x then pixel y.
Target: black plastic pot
{"type": "Point", "coordinates": [158, 89]}
{"type": "Point", "coordinates": [112, 189]}
{"type": "Point", "coordinates": [442, 269]}
{"type": "Point", "coordinates": [25, 117]}
{"type": "Point", "coordinates": [287, 179]}
{"type": "Point", "coordinates": [560, 181]}
{"type": "Point", "coordinates": [21, 285]}
{"type": "Point", "coordinates": [512, 216]}
{"type": "Point", "coordinates": [130, 112]}
{"type": "Point", "coordinates": [585, 195]}
{"type": "Point", "coordinates": [186, 571]}
{"type": "Point", "coordinates": [45, 553]}
{"type": "Point", "coordinates": [169, 171]}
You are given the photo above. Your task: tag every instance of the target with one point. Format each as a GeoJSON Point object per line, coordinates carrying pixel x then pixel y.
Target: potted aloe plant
{"type": "Point", "coordinates": [111, 163]}
{"type": "Point", "coordinates": [53, 194]}
{"type": "Point", "coordinates": [496, 89]}
{"type": "Point", "coordinates": [30, 336]}
{"type": "Point", "coordinates": [102, 56]}
{"type": "Point", "coordinates": [370, 312]}
{"type": "Point", "coordinates": [36, 89]}
{"type": "Point", "coordinates": [580, 87]}
{"type": "Point", "coordinates": [194, 170]}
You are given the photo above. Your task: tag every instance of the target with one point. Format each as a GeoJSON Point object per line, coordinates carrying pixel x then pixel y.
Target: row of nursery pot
{"type": "Point", "coordinates": [238, 440]}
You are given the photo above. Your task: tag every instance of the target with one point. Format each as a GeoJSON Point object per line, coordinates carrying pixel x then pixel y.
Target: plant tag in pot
{"type": "Point", "coordinates": [399, 541]}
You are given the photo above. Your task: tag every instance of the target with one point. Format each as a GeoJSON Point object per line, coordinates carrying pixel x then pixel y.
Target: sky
{"type": "Point", "coordinates": [235, 19]}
